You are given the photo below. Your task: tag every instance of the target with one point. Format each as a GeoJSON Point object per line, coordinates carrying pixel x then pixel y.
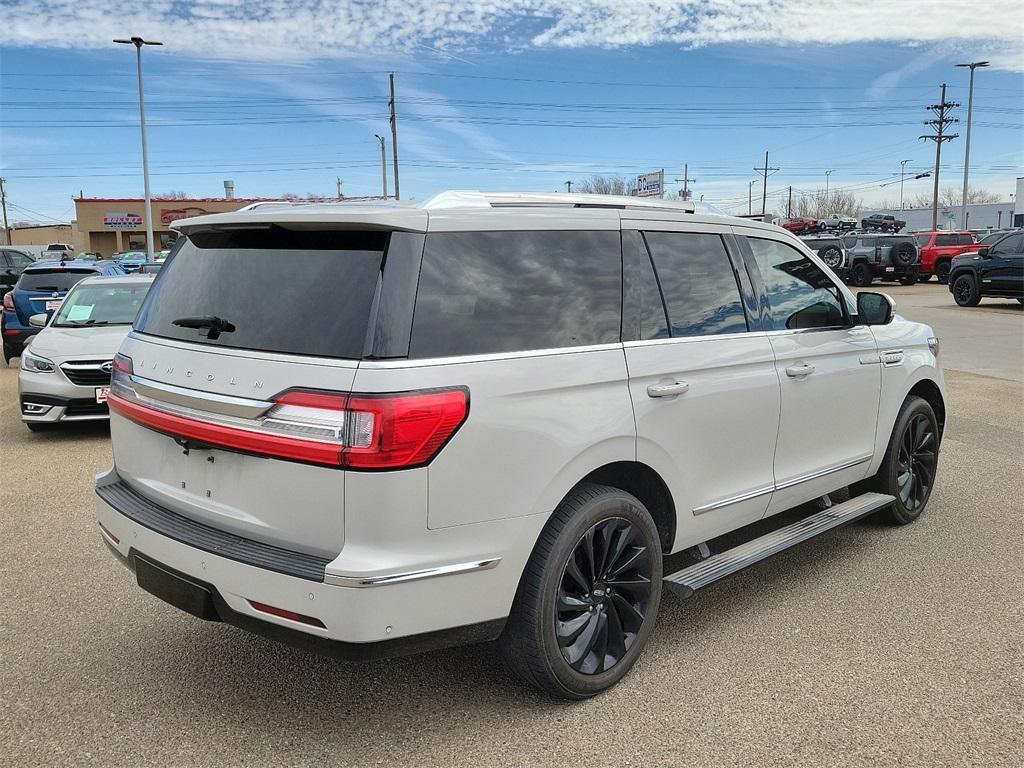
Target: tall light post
{"type": "Point", "coordinates": [903, 170]}
{"type": "Point", "coordinates": [750, 196]}
{"type": "Point", "coordinates": [967, 140]}
{"type": "Point", "coordinates": [827, 174]}
{"type": "Point", "coordinates": [138, 42]}
{"type": "Point", "coordinates": [383, 167]}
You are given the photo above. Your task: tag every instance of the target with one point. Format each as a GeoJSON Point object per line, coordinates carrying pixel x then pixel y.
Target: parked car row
{"type": "Point", "coordinates": [859, 258]}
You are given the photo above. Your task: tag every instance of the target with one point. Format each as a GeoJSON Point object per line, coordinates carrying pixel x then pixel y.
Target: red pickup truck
{"type": "Point", "coordinates": [803, 226]}
{"type": "Point", "coordinates": [938, 250]}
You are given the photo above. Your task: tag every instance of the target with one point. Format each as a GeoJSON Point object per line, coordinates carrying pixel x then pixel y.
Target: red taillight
{"type": "Point", "coordinates": [122, 363]}
{"type": "Point", "coordinates": [402, 430]}
{"type": "Point", "coordinates": [399, 430]}
{"type": "Point", "coordinates": [285, 614]}
{"type": "Point", "coordinates": [9, 301]}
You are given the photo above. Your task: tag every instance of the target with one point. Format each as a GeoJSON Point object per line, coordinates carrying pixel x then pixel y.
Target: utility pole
{"type": "Point", "coordinates": [568, 186]}
{"type": "Point", "coordinates": [686, 181]}
{"type": "Point", "coordinates": [939, 123]}
{"type": "Point", "coordinates": [764, 189]}
{"type": "Point", "coordinates": [967, 140]}
{"type": "Point", "coordinates": [138, 42]}
{"type": "Point", "coordinates": [3, 202]}
{"type": "Point", "coordinates": [337, 181]}
{"type": "Point", "coordinates": [827, 174]}
{"type": "Point", "coordinates": [394, 134]}
{"type": "Point", "coordinates": [383, 167]}
{"type": "Point", "coordinates": [750, 196]}
{"type": "Point", "coordinates": [789, 205]}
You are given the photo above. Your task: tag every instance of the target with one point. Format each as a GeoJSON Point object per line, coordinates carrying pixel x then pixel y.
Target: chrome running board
{"type": "Point", "coordinates": [687, 581]}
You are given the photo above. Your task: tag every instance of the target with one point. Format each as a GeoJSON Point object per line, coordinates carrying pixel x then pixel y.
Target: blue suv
{"type": "Point", "coordinates": [41, 288]}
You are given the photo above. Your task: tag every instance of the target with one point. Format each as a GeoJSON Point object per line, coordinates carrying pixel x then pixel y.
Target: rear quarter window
{"type": "Point", "coordinates": [494, 292]}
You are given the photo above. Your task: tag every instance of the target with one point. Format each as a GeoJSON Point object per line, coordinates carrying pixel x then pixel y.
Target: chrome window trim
{"type": "Point", "coordinates": [84, 366]}
{"type": "Point", "coordinates": [343, 580]}
{"type": "Point", "coordinates": [685, 339]}
{"type": "Point", "coordinates": [748, 495]}
{"type": "Point", "coordinates": [422, 362]}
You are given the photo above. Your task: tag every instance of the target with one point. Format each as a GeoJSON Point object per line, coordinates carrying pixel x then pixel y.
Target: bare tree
{"type": "Point", "coordinates": [818, 205]}
{"type": "Point", "coordinates": [172, 194]}
{"type": "Point", "coordinates": [951, 197]}
{"type": "Point", "coordinates": [599, 184]}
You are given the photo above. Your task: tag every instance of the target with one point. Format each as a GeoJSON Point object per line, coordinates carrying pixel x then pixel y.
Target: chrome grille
{"type": "Point", "coordinates": [87, 373]}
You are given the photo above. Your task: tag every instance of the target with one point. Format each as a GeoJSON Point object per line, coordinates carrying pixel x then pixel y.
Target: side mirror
{"type": "Point", "coordinates": [983, 252]}
{"type": "Point", "coordinates": [38, 321]}
{"type": "Point", "coordinates": [875, 308]}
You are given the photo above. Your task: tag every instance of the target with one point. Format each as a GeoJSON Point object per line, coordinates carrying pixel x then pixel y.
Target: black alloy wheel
{"type": "Point", "coordinates": [603, 596]}
{"type": "Point", "coordinates": [916, 461]}
{"type": "Point", "coordinates": [942, 272]}
{"type": "Point", "coordinates": [965, 291]}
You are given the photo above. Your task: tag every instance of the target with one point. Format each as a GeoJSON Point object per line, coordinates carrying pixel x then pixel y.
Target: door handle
{"type": "Point", "coordinates": [800, 371]}
{"type": "Point", "coordinates": [667, 390]}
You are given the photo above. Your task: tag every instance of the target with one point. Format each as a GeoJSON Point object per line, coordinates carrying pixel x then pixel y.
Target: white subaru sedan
{"type": "Point", "coordinates": [65, 372]}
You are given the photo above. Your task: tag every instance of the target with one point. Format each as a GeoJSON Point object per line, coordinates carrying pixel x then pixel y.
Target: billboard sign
{"type": "Point", "coordinates": [650, 184]}
{"type": "Point", "coordinates": [122, 220]}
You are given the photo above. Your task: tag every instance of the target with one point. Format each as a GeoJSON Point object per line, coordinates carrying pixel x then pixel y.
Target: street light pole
{"type": "Point", "coordinates": [827, 174]}
{"type": "Point", "coordinates": [903, 168]}
{"type": "Point", "coordinates": [967, 141]}
{"type": "Point", "coordinates": [383, 167]}
{"type": "Point", "coordinates": [138, 42]}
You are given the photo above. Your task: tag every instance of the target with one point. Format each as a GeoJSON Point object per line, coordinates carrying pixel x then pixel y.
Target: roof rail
{"type": "Point", "coordinates": [475, 199]}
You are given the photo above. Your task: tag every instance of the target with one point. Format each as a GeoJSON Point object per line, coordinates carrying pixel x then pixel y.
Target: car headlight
{"type": "Point", "coordinates": [36, 364]}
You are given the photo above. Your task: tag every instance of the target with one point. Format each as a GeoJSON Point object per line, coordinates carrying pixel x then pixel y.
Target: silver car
{"type": "Point", "coordinates": [377, 429]}
{"type": "Point", "coordinates": [65, 371]}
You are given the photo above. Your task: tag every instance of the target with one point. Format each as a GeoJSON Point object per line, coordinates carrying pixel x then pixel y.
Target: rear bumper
{"type": "Point", "coordinates": [384, 614]}
{"type": "Point", "coordinates": [895, 271]}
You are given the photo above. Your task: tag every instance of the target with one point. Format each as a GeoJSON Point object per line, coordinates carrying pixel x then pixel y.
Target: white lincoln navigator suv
{"type": "Point", "coordinates": [377, 429]}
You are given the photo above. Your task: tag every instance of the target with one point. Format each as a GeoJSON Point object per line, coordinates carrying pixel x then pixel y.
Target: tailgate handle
{"type": "Point", "coordinates": [799, 371]}
{"type": "Point", "coordinates": [667, 390]}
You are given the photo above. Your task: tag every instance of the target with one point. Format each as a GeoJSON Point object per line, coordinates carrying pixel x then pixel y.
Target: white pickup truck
{"type": "Point", "coordinates": [839, 221]}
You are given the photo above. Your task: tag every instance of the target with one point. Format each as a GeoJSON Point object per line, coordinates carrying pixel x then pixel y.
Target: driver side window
{"type": "Point", "coordinates": [800, 295]}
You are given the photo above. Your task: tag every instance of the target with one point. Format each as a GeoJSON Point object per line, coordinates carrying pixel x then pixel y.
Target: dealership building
{"type": "Point", "coordinates": [109, 225]}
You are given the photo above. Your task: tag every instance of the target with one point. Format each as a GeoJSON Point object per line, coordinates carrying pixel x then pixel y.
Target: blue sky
{"type": "Point", "coordinates": [285, 96]}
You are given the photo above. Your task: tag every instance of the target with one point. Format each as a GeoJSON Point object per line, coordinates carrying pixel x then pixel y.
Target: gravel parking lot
{"type": "Point", "coordinates": [867, 646]}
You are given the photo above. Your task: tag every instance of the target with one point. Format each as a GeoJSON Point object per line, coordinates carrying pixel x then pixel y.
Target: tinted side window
{"type": "Point", "coordinates": [488, 292]}
{"type": "Point", "coordinates": [922, 240]}
{"type": "Point", "coordinates": [1011, 245]}
{"type": "Point", "coordinates": [698, 283]}
{"type": "Point", "coordinates": [643, 315]}
{"type": "Point", "coordinates": [19, 260]}
{"type": "Point", "coordinates": [799, 293]}
{"type": "Point", "coordinates": [965, 240]}
{"type": "Point", "coordinates": [946, 239]}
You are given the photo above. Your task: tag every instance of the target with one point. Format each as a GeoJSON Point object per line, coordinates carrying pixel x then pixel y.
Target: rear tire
{"type": "Point", "coordinates": [580, 621]}
{"type": "Point", "coordinates": [908, 470]}
{"type": "Point", "coordinates": [908, 280]}
{"type": "Point", "coordinates": [942, 271]}
{"type": "Point", "coordinates": [965, 291]}
{"type": "Point", "coordinates": [831, 256]}
{"type": "Point", "coordinates": [861, 275]}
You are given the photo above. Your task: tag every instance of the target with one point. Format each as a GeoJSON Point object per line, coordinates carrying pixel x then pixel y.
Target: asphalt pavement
{"type": "Point", "coordinates": [867, 646]}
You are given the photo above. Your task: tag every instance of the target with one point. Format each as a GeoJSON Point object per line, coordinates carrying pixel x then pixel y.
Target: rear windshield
{"type": "Point", "coordinates": [272, 290]}
{"type": "Point", "coordinates": [52, 280]}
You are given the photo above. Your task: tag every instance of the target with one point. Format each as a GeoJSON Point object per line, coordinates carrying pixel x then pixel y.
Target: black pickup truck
{"type": "Point", "coordinates": [882, 222]}
{"type": "Point", "coordinates": [996, 271]}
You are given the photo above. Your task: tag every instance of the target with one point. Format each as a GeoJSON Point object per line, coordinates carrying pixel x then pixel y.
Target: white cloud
{"type": "Point", "coordinates": [300, 29]}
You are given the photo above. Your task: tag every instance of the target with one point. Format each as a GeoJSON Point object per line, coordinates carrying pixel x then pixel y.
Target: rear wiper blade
{"type": "Point", "coordinates": [217, 325]}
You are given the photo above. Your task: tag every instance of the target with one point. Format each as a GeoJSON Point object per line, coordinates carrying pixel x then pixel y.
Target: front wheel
{"type": "Point", "coordinates": [909, 467]}
{"type": "Point", "coordinates": [966, 292]}
{"type": "Point", "coordinates": [589, 596]}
